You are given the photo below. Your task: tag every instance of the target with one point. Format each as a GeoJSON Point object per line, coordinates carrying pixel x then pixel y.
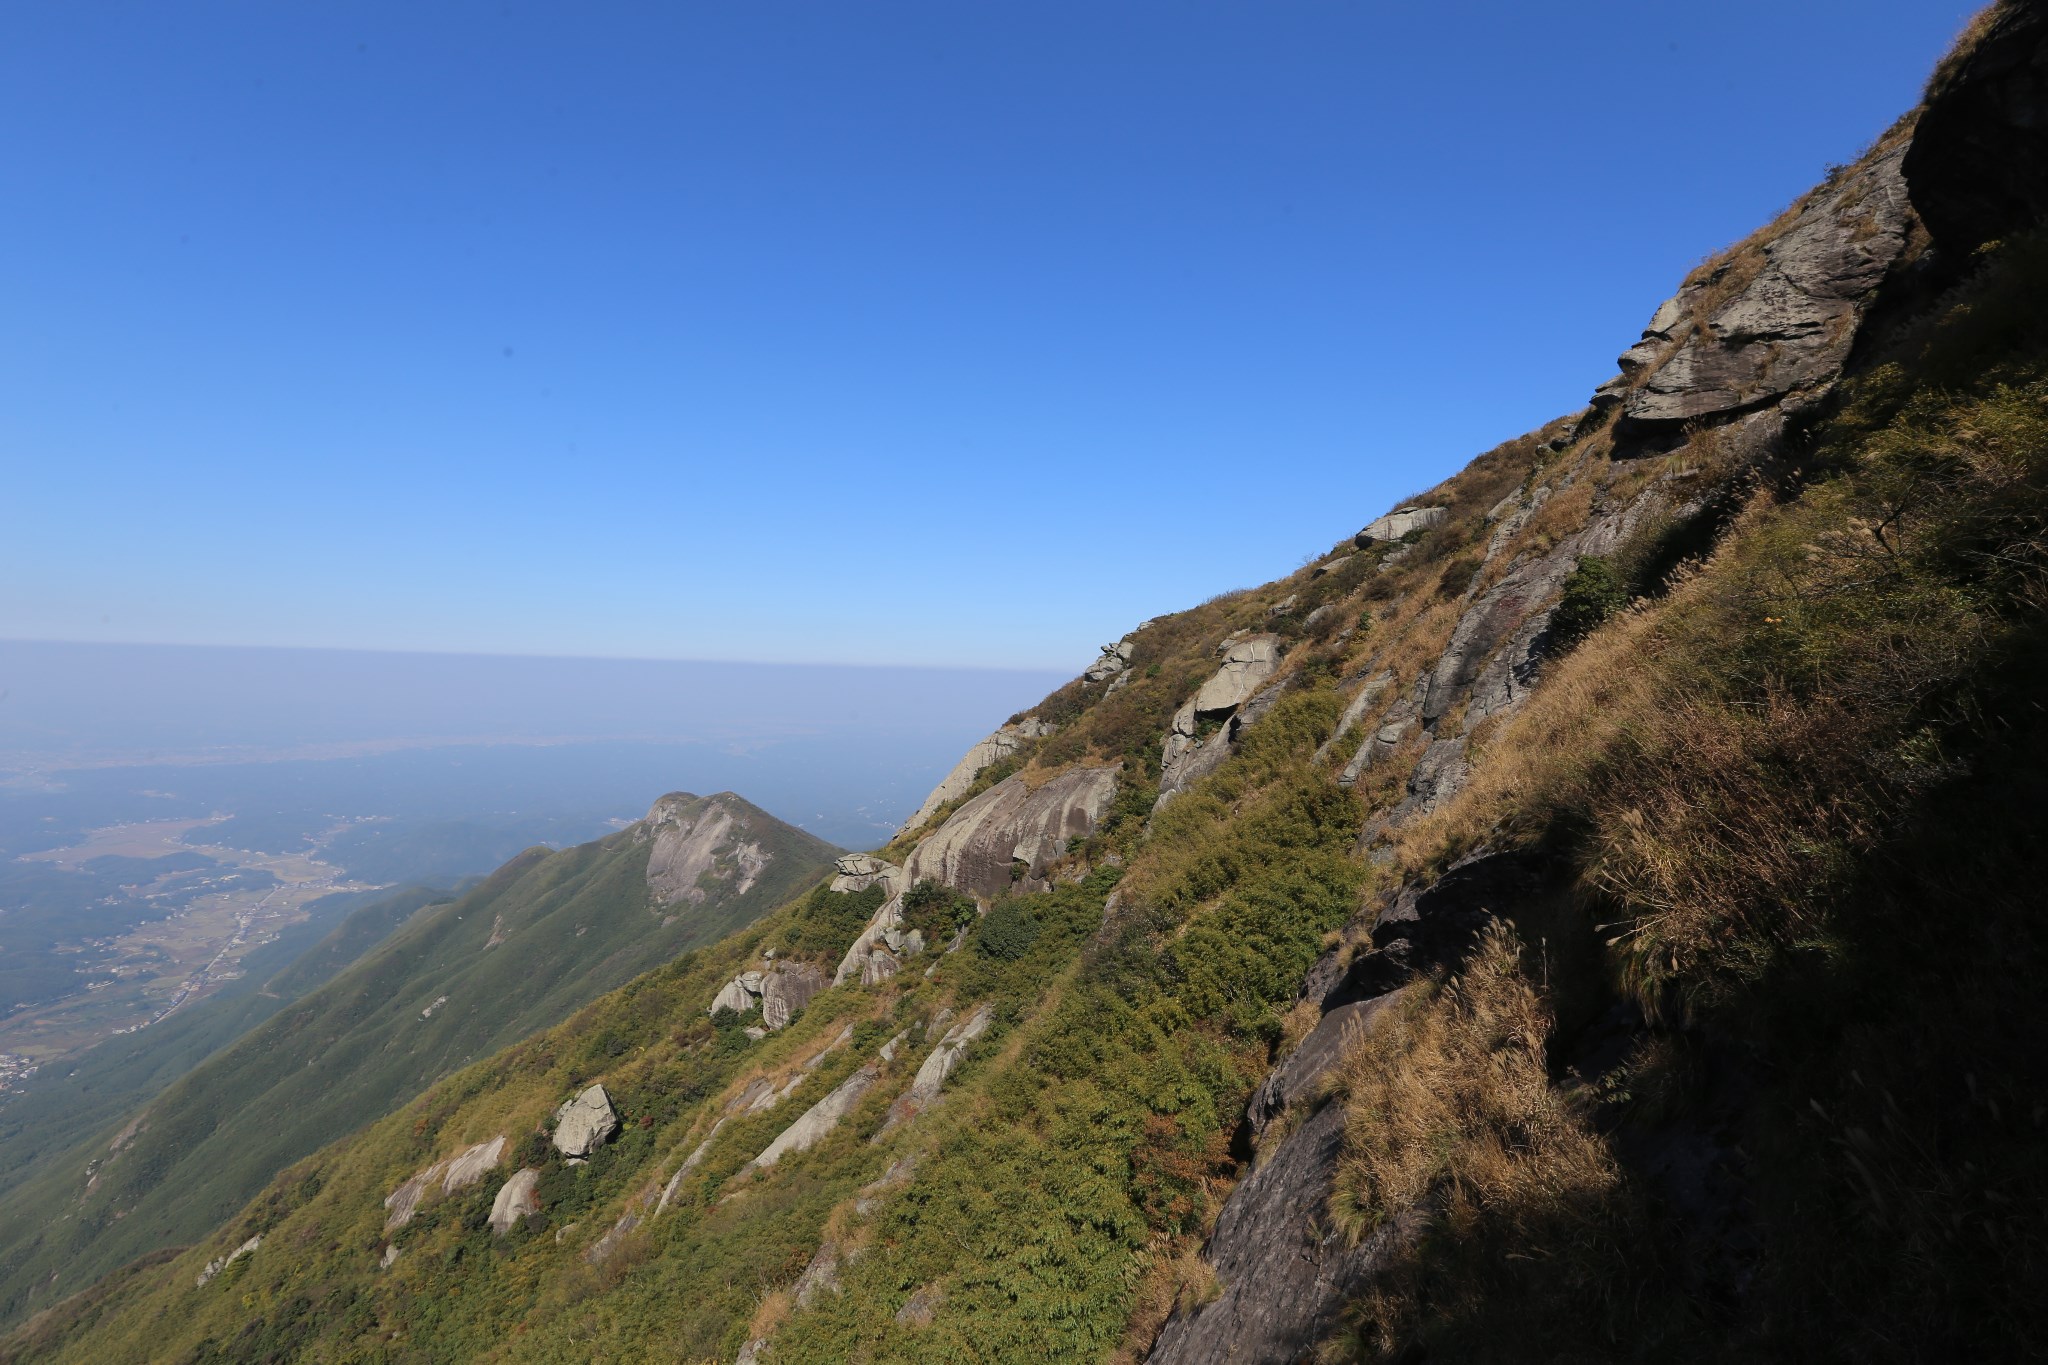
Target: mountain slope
{"type": "Point", "coordinates": [120, 1074]}
{"type": "Point", "coordinates": [520, 951]}
{"type": "Point", "coordinates": [1590, 915]}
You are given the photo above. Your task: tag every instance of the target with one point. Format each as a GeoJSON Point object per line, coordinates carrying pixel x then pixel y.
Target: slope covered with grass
{"type": "Point", "coordinates": [523, 949]}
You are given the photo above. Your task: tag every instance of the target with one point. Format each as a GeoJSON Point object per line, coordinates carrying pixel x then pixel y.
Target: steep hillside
{"type": "Point", "coordinates": [519, 952]}
{"type": "Point", "coordinates": [1588, 915]}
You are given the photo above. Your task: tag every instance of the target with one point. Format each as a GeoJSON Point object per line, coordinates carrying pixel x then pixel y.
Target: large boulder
{"type": "Point", "coordinates": [1231, 696]}
{"type": "Point", "coordinates": [980, 758]}
{"type": "Point", "coordinates": [858, 871]}
{"type": "Point", "coordinates": [1772, 319]}
{"type": "Point", "coordinates": [1399, 522]}
{"type": "Point", "coordinates": [699, 841]}
{"type": "Point", "coordinates": [1115, 659]}
{"type": "Point", "coordinates": [586, 1123]}
{"type": "Point", "coordinates": [780, 989]}
{"type": "Point", "coordinates": [787, 988]}
{"type": "Point", "coordinates": [1012, 826]}
{"type": "Point", "coordinates": [516, 1200]}
{"type": "Point", "coordinates": [1246, 666]}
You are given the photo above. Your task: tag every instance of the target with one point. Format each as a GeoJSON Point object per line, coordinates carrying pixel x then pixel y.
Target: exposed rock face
{"type": "Point", "coordinates": [990, 752]}
{"type": "Point", "coordinates": [473, 1164]}
{"type": "Point", "coordinates": [601, 1250]}
{"type": "Point", "coordinates": [1400, 522]}
{"type": "Point", "coordinates": [1246, 666]}
{"type": "Point", "coordinates": [1978, 164]}
{"type": "Point", "coordinates": [1772, 320]}
{"type": "Point", "coordinates": [859, 871]}
{"type": "Point", "coordinates": [699, 840]}
{"type": "Point", "coordinates": [586, 1123]}
{"type": "Point", "coordinates": [1187, 757]}
{"type": "Point", "coordinates": [821, 1118]}
{"type": "Point", "coordinates": [821, 1276]}
{"type": "Point", "coordinates": [788, 989]}
{"type": "Point", "coordinates": [1011, 823]}
{"type": "Point", "coordinates": [780, 989]}
{"type": "Point", "coordinates": [443, 1177]}
{"type": "Point", "coordinates": [220, 1263]}
{"type": "Point", "coordinates": [1357, 709]}
{"type": "Point", "coordinates": [1231, 696]}
{"type": "Point", "coordinates": [921, 1307]}
{"type": "Point", "coordinates": [868, 959]}
{"type": "Point", "coordinates": [1115, 659]}
{"type": "Point", "coordinates": [1284, 1270]}
{"type": "Point", "coordinates": [941, 1063]}
{"type": "Point", "coordinates": [1300, 1074]}
{"type": "Point", "coordinates": [1401, 720]}
{"type": "Point", "coordinates": [516, 1200]}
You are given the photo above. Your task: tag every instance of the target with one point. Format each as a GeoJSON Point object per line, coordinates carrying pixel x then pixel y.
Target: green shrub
{"type": "Point", "coordinates": [1008, 932]}
{"type": "Point", "coordinates": [936, 911]}
{"type": "Point", "coordinates": [1593, 593]}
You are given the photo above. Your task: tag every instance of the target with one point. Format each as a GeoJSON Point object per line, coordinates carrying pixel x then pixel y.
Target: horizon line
{"type": "Point", "coordinates": [506, 654]}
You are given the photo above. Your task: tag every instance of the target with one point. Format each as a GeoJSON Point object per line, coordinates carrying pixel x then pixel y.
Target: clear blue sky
{"type": "Point", "coordinates": [862, 332]}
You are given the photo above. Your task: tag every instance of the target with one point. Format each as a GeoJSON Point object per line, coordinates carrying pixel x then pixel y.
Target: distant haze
{"type": "Point", "coordinates": [842, 751]}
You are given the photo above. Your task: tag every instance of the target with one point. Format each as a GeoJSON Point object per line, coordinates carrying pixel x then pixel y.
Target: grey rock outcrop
{"type": "Point", "coordinates": [943, 1060]}
{"type": "Point", "coordinates": [981, 757]}
{"type": "Point", "coordinates": [1299, 1077]}
{"type": "Point", "coordinates": [859, 871]}
{"type": "Point", "coordinates": [1115, 659]}
{"type": "Point", "coordinates": [585, 1123]}
{"type": "Point", "coordinates": [442, 1178]}
{"type": "Point", "coordinates": [1774, 321]}
{"type": "Point", "coordinates": [817, 1122]}
{"type": "Point", "coordinates": [516, 1199]}
{"type": "Point", "coordinates": [1011, 823]}
{"type": "Point", "coordinates": [1224, 705]}
{"type": "Point", "coordinates": [698, 841]}
{"type": "Point", "coordinates": [820, 1275]}
{"type": "Point", "coordinates": [780, 989]}
{"type": "Point", "coordinates": [605, 1247]}
{"type": "Point", "coordinates": [1402, 719]}
{"type": "Point", "coordinates": [1399, 522]}
{"type": "Point", "coordinates": [220, 1263]}
{"type": "Point", "coordinates": [1285, 1271]}
{"type": "Point", "coordinates": [1246, 666]}
{"type": "Point", "coordinates": [1369, 693]}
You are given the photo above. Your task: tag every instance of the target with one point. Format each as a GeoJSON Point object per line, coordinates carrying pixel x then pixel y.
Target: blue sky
{"type": "Point", "coordinates": [941, 333]}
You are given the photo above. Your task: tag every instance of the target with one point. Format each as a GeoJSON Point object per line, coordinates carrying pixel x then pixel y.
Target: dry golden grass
{"type": "Point", "coordinates": [1974, 32]}
{"type": "Point", "coordinates": [1449, 1110]}
{"type": "Point", "coordinates": [1174, 1278]}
